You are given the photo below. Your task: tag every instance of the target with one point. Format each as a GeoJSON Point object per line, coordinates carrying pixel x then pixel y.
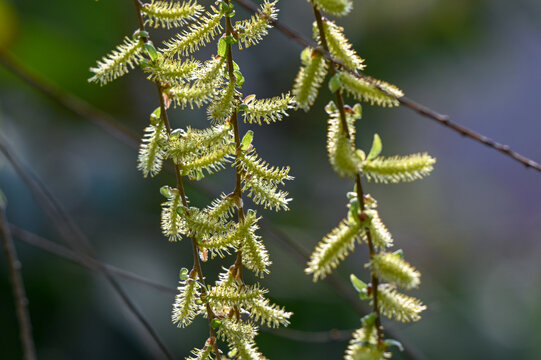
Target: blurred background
{"type": "Point", "coordinates": [471, 228]}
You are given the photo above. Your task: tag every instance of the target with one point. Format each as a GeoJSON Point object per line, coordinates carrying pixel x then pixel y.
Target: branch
{"type": "Point", "coordinates": [89, 262]}
{"type": "Point", "coordinates": [16, 277]}
{"type": "Point", "coordinates": [418, 108]}
{"type": "Point", "coordinates": [68, 101]}
{"type": "Point", "coordinates": [86, 261]}
{"type": "Point", "coordinates": [73, 236]}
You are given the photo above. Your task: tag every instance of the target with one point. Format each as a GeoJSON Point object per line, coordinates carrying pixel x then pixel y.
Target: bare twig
{"type": "Point", "coordinates": [333, 335]}
{"type": "Point", "coordinates": [21, 301]}
{"type": "Point", "coordinates": [418, 108]}
{"type": "Point", "coordinates": [73, 236]}
{"type": "Point", "coordinates": [87, 261]}
{"type": "Point", "coordinates": [83, 260]}
{"type": "Point", "coordinates": [69, 101]}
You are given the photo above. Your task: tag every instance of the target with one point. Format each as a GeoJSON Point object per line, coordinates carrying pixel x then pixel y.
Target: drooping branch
{"type": "Point", "coordinates": [180, 186]}
{"type": "Point", "coordinates": [409, 103]}
{"type": "Point", "coordinates": [358, 183]}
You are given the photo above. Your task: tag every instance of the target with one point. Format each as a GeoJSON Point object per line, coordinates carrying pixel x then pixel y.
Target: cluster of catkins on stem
{"type": "Point", "coordinates": [363, 225]}
{"type": "Point", "coordinates": [233, 308]}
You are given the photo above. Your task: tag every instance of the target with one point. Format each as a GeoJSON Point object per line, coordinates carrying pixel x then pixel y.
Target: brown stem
{"type": "Point", "coordinates": [234, 121]}
{"type": "Point", "coordinates": [360, 193]}
{"type": "Point", "coordinates": [19, 293]}
{"type": "Point", "coordinates": [180, 186]}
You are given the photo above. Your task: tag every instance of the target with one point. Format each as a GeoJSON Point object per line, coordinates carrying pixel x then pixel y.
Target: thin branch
{"type": "Point", "coordinates": [73, 236]}
{"type": "Point", "coordinates": [83, 260]}
{"type": "Point", "coordinates": [19, 293]}
{"type": "Point", "coordinates": [88, 262]}
{"type": "Point", "coordinates": [68, 101]}
{"type": "Point", "coordinates": [317, 337]}
{"type": "Point", "coordinates": [418, 108]}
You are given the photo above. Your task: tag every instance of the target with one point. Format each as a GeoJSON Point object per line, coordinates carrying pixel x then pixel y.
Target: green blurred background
{"type": "Point", "coordinates": [472, 228]}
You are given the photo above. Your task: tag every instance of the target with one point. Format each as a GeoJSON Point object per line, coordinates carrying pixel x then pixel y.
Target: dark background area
{"type": "Point", "coordinates": [471, 228]}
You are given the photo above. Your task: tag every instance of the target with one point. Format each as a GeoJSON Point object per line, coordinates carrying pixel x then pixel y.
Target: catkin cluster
{"type": "Point", "coordinates": [362, 225]}
{"type": "Point", "coordinates": [233, 308]}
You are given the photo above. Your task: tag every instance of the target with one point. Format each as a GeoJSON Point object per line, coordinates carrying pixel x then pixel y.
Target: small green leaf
{"type": "Point", "coordinates": [247, 140]}
{"type": "Point", "coordinates": [243, 107]}
{"type": "Point", "coordinates": [138, 34]}
{"type": "Point", "coordinates": [358, 110]}
{"type": "Point", "coordinates": [222, 47]}
{"type": "Point", "coordinates": [360, 154]}
{"type": "Point", "coordinates": [335, 83]}
{"type": "Point", "coordinates": [230, 40]}
{"type": "Point", "coordinates": [376, 148]}
{"type": "Point", "coordinates": [369, 320]}
{"type": "Point", "coordinates": [239, 77]}
{"type": "Point", "coordinates": [183, 274]}
{"type": "Point", "coordinates": [399, 253]}
{"type": "Point", "coordinates": [216, 323]}
{"type": "Point", "coordinates": [392, 342]}
{"type": "Point", "coordinates": [144, 64]}
{"type": "Point", "coordinates": [151, 51]}
{"type": "Point", "coordinates": [358, 284]}
{"type": "Point", "coordinates": [235, 66]}
{"type": "Point", "coordinates": [175, 134]}
{"type": "Point", "coordinates": [353, 214]}
{"type": "Point", "coordinates": [165, 191]}
{"type": "Point", "coordinates": [230, 14]}
{"type": "Point", "coordinates": [156, 116]}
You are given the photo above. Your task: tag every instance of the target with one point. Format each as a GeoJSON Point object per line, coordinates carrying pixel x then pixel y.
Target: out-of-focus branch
{"type": "Point", "coordinates": [83, 260]}
{"type": "Point", "coordinates": [17, 284]}
{"type": "Point", "coordinates": [90, 262]}
{"type": "Point", "coordinates": [73, 236]}
{"type": "Point", "coordinates": [68, 101]}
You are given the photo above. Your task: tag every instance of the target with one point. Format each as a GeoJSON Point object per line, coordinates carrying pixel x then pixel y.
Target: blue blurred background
{"type": "Point", "coordinates": [471, 228]}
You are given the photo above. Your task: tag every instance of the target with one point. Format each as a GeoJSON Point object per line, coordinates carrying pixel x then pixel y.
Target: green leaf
{"type": "Point", "coordinates": [247, 140]}
{"type": "Point", "coordinates": [216, 323]}
{"type": "Point", "coordinates": [156, 116]}
{"type": "Point", "coordinates": [230, 40]}
{"type": "Point", "coordinates": [369, 320]}
{"type": "Point", "coordinates": [335, 83]}
{"type": "Point", "coordinates": [222, 47]}
{"type": "Point", "coordinates": [240, 78]}
{"type": "Point", "coordinates": [399, 253]}
{"type": "Point", "coordinates": [151, 51]}
{"type": "Point", "coordinates": [358, 284]}
{"type": "Point", "coordinates": [392, 342]}
{"type": "Point", "coordinates": [165, 191]}
{"type": "Point", "coordinates": [138, 34]}
{"type": "Point", "coordinates": [376, 148]}
{"type": "Point", "coordinates": [183, 274]}
{"type": "Point", "coordinates": [358, 110]}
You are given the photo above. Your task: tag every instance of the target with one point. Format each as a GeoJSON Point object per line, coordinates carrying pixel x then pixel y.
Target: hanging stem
{"type": "Point", "coordinates": [234, 121]}
{"type": "Point", "coordinates": [180, 186]}
{"type": "Point", "coordinates": [360, 193]}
